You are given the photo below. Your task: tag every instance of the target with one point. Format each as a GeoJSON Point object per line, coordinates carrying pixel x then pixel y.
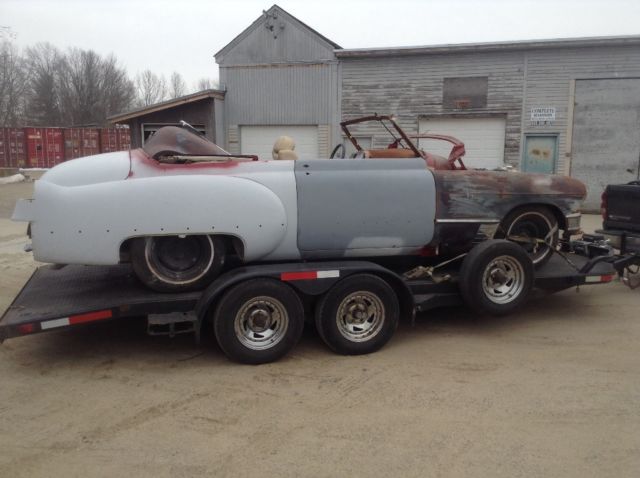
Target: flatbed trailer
{"type": "Point", "coordinates": [72, 296]}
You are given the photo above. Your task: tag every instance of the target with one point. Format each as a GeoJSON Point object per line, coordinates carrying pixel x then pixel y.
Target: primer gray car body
{"type": "Point", "coordinates": [85, 211]}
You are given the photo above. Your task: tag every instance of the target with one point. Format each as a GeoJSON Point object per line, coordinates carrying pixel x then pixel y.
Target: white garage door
{"type": "Point", "coordinates": [259, 140]}
{"type": "Point", "coordinates": [483, 139]}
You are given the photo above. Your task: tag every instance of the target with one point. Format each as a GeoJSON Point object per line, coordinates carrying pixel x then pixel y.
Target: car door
{"type": "Point", "coordinates": [373, 207]}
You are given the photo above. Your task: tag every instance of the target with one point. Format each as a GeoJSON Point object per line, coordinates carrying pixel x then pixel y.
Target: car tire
{"type": "Point", "coordinates": [532, 222]}
{"type": "Point", "coordinates": [258, 321]}
{"type": "Point", "coordinates": [496, 277]}
{"type": "Point", "coordinates": [177, 263]}
{"type": "Point", "coordinates": [358, 315]}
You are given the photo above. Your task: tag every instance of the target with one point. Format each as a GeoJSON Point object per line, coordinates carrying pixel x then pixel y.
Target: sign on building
{"type": "Point", "coordinates": [543, 115]}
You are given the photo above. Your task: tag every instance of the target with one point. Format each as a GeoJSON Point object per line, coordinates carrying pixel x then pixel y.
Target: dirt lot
{"type": "Point", "coordinates": [551, 391]}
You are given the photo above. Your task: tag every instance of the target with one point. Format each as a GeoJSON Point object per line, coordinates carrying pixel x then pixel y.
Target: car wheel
{"type": "Point", "coordinates": [358, 315]}
{"type": "Point", "coordinates": [496, 277]}
{"type": "Point", "coordinates": [258, 321]}
{"type": "Point", "coordinates": [527, 227]}
{"type": "Point", "coordinates": [177, 263]}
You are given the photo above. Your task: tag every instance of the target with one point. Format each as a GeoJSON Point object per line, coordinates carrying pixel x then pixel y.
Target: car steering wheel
{"type": "Point", "coordinates": [338, 152]}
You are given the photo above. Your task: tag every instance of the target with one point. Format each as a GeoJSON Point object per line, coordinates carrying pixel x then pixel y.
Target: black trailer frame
{"type": "Point", "coordinates": [55, 298]}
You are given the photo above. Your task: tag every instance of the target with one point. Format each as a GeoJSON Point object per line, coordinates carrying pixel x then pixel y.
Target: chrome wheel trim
{"type": "Point", "coordinates": [360, 316]}
{"type": "Point", "coordinates": [503, 280]}
{"type": "Point", "coordinates": [157, 272]}
{"type": "Point", "coordinates": [261, 323]}
{"type": "Point", "coordinates": [542, 251]}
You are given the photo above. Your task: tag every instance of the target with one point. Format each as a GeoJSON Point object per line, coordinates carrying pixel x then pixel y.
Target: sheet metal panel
{"type": "Point", "coordinates": [72, 143]}
{"type": "Point", "coordinates": [280, 94]}
{"type": "Point", "coordinates": [347, 207]}
{"type": "Point", "coordinates": [90, 141]}
{"type": "Point", "coordinates": [45, 147]}
{"type": "Point", "coordinates": [13, 153]}
{"type": "Point", "coordinates": [606, 135]}
{"type": "Point", "coordinates": [124, 139]}
{"type": "Point", "coordinates": [108, 140]}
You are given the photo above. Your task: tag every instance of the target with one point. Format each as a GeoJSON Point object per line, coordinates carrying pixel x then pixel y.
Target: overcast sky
{"type": "Point", "coordinates": [183, 35]}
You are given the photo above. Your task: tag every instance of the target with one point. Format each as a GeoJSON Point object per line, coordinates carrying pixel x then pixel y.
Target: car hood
{"type": "Point", "coordinates": [101, 168]}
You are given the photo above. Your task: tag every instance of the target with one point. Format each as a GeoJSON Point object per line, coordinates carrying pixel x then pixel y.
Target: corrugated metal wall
{"type": "Point", "coordinates": [289, 44]}
{"type": "Point", "coordinates": [411, 87]}
{"type": "Point", "coordinates": [606, 134]}
{"type": "Point", "coordinates": [279, 94]}
{"type": "Point", "coordinates": [279, 72]}
{"type": "Point", "coordinates": [550, 82]}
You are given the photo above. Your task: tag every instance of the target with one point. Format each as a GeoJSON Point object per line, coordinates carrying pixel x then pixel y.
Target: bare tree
{"type": "Point", "coordinates": [118, 92]}
{"type": "Point", "coordinates": [151, 88]}
{"type": "Point", "coordinates": [91, 87]}
{"type": "Point", "coordinates": [205, 84]}
{"type": "Point", "coordinates": [13, 77]}
{"type": "Point", "coordinates": [42, 92]}
{"type": "Point", "coordinates": [177, 87]}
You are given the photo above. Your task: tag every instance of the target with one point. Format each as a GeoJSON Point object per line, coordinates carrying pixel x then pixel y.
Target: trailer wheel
{"type": "Point", "coordinates": [177, 263]}
{"type": "Point", "coordinates": [358, 315]}
{"type": "Point", "coordinates": [258, 321]}
{"type": "Point", "coordinates": [496, 277]}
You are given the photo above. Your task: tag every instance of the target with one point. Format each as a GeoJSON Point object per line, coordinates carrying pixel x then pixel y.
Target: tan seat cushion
{"type": "Point", "coordinates": [283, 148]}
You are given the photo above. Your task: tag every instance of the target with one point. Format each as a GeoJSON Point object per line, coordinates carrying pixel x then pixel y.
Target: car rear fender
{"type": "Point", "coordinates": [88, 224]}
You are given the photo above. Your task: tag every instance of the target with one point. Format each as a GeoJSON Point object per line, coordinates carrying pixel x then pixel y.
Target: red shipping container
{"type": "Point", "coordinates": [108, 140]}
{"type": "Point", "coordinates": [45, 147]}
{"type": "Point", "coordinates": [3, 146]}
{"type": "Point", "coordinates": [90, 144]}
{"type": "Point", "coordinates": [12, 150]}
{"type": "Point", "coordinates": [71, 143]}
{"type": "Point", "coordinates": [124, 139]}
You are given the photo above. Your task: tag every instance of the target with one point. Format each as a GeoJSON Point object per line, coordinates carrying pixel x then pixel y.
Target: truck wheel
{"type": "Point", "coordinates": [177, 263]}
{"type": "Point", "coordinates": [496, 277]}
{"type": "Point", "coordinates": [358, 315]}
{"type": "Point", "coordinates": [531, 223]}
{"type": "Point", "coordinates": [258, 321]}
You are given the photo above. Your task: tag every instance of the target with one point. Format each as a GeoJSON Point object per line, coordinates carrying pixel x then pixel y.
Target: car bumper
{"type": "Point", "coordinates": [623, 240]}
{"type": "Point", "coordinates": [573, 222]}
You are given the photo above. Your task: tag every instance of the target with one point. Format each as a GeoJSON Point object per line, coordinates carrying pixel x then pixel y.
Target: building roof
{"type": "Point", "coordinates": [259, 21]}
{"type": "Point", "coordinates": [490, 46]}
{"type": "Point", "coordinates": [165, 105]}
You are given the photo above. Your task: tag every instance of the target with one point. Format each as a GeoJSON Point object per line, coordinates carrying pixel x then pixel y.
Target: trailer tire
{"type": "Point", "coordinates": [258, 321]}
{"type": "Point", "coordinates": [496, 277]}
{"type": "Point", "coordinates": [358, 315]}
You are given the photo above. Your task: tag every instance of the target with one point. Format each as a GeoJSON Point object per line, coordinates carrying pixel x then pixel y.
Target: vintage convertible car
{"type": "Point", "coordinates": [180, 207]}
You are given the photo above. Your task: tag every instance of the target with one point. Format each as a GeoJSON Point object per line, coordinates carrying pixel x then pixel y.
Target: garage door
{"type": "Point", "coordinates": [259, 140]}
{"type": "Point", "coordinates": [606, 135]}
{"type": "Point", "coordinates": [483, 139]}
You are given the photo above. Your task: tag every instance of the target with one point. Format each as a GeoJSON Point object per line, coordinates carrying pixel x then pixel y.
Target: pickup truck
{"type": "Point", "coordinates": [620, 209]}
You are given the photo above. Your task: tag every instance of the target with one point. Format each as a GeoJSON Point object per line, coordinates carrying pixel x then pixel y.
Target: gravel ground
{"type": "Point", "coordinates": [550, 391]}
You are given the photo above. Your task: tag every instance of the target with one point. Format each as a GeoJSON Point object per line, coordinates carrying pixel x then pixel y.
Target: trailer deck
{"type": "Point", "coordinates": [73, 295]}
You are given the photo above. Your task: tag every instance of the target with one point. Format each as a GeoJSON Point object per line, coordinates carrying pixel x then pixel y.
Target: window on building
{"type": "Point", "coordinates": [465, 93]}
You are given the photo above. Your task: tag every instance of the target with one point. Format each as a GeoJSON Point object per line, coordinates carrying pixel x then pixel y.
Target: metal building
{"type": "Point", "coordinates": [280, 77]}
{"type": "Point", "coordinates": [567, 106]}
{"type": "Point", "coordinates": [554, 106]}
{"type": "Point", "coordinates": [203, 110]}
